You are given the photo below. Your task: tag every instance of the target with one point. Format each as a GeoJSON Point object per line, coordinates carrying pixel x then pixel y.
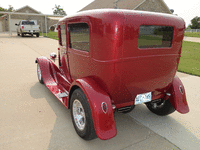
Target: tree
{"type": "Point", "coordinates": [195, 23]}
{"type": "Point", "coordinates": [57, 10]}
{"type": "Point", "coordinates": [10, 9]}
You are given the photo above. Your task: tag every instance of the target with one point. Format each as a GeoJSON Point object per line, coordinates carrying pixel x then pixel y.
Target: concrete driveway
{"type": "Point", "coordinates": [32, 118]}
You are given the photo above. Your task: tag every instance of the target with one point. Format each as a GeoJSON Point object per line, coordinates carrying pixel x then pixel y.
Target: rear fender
{"type": "Point", "coordinates": [103, 119]}
{"type": "Point", "coordinates": [178, 96]}
{"type": "Point", "coordinates": [48, 70]}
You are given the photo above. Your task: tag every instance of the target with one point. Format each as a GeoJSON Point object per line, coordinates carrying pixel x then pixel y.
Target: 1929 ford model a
{"type": "Point", "coordinates": [113, 60]}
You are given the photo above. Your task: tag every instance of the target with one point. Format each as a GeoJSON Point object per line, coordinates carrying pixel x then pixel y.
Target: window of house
{"type": "Point", "coordinates": [155, 36]}
{"type": "Point", "coordinates": [79, 36]}
{"type": "Point", "coordinates": [63, 35]}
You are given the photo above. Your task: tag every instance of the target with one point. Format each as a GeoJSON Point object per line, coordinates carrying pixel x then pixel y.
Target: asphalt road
{"type": "Point", "coordinates": [32, 118]}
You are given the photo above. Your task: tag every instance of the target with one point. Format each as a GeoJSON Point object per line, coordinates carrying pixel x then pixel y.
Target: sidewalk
{"type": "Point", "coordinates": [192, 39]}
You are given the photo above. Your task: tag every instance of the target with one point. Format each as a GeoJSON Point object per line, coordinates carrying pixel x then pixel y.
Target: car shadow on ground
{"type": "Point", "coordinates": [129, 131]}
{"type": "Point", "coordinates": [167, 127]}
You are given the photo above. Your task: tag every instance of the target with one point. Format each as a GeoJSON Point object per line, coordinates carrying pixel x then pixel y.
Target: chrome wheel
{"type": "Point", "coordinates": [39, 72]}
{"type": "Point", "coordinates": [79, 115]}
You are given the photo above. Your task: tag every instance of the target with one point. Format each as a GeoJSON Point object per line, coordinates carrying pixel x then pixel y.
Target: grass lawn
{"type": "Point", "coordinates": [192, 34]}
{"type": "Point", "coordinates": [52, 35]}
{"type": "Point", "coordinates": [190, 58]}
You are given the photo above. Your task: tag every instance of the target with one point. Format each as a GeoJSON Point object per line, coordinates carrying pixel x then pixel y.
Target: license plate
{"type": "Point", "coordinates": [143, 98]}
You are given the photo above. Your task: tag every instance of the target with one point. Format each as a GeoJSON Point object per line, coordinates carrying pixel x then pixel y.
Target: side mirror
{"type": "Point", "coordinates": [53, 56]}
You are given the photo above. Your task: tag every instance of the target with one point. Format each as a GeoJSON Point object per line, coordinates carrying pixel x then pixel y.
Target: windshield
{"type": "Point", "coordinates": [28, 23]}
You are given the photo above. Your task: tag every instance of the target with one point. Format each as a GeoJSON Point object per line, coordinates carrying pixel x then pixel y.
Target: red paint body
{"type": "Point", "coordinates": [115, 70]}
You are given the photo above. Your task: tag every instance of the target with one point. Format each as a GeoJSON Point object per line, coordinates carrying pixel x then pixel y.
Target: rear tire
{"type": "Point", "coordinates": [161, 108]}
{"type": "Point", "coordinates": [81, 115]}
{"type": "Point", "coordinates": [38, 34]}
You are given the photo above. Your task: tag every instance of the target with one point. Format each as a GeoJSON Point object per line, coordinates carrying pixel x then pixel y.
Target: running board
{"type": "Point", "coordinates": [64, 94]}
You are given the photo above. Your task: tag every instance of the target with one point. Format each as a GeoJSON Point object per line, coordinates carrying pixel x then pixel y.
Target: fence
{"type": "Point", "coordinates": [192, 30]}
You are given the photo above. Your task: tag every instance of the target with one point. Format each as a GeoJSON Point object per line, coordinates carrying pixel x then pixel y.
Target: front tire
{"type": "Point", "coordinates": [39, 74]}
{"type": "Point", "coordinates": [160, 107]}
{"type": "Point", "coordinates": [81, 115]}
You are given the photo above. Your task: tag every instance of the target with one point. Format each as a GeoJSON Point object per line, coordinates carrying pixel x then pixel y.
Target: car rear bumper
{"type": "Point", "coordinates": [31, 31]}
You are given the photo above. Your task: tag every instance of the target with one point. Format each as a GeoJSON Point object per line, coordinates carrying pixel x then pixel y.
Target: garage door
{"type": "Point", "coordinates": [1, 30]}
{"type": "Point", "coordinates": [13, 26]}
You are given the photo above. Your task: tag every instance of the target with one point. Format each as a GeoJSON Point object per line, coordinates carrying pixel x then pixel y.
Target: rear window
{"type": "Point", "coordinates": [28, 23]}
{"type": "Point", "coordinates": [155, 36]}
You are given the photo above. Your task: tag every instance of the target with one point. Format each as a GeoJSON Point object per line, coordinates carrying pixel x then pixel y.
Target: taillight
{"type": "Point", "coordinates": [39, 28]}
{"type": "Point", "coordinates": [22, 27]}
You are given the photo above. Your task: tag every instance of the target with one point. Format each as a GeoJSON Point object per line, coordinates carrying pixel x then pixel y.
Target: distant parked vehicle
{"type": "Point", "coordinates": [28, 27]}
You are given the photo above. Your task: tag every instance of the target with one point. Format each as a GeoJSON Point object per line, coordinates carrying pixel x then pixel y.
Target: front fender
{"type": "Point", "coordinates": [178, 96]}
{"type": "Point", "coordinates": [104, 122]}
{"type": "Point", "coordinates": [48, 70]}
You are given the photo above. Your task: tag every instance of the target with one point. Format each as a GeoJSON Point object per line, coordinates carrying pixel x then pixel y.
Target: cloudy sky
{"type": "Point", "coordinates": [185, 9]}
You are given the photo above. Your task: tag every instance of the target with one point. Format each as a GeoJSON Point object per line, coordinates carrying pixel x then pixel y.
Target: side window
{"type": "Point", "coordinates": [63, 35]}
{"type": "Point", "coordinates": [79, 36]}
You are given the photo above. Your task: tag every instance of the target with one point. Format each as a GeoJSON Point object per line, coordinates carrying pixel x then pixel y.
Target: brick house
{"type": "Point", "coordinates": [145, 5]}
{"type": "Point", "coordinates": [27, 13]}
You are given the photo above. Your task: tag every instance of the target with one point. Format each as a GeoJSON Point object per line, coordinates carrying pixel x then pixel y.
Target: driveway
{"type": "Point", "coordinates": [32, 118]}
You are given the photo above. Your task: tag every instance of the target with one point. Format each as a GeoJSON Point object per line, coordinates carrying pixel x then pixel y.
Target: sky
{"type": "Point", "coordinates": [185, 9]}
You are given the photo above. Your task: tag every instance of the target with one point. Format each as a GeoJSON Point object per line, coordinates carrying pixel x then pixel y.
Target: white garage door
{"type": "Point", "coordinates": [13, 26]}
{"type": "Point", "coordinates": [1, 30]}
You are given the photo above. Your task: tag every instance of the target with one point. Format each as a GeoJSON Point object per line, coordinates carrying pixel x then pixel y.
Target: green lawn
{"type": "Point", "coordinates": [192, 34]}
{"type": "Point", "coordinates": [52, 35]}
{"type": "Point", "coordinates": [190, 58]}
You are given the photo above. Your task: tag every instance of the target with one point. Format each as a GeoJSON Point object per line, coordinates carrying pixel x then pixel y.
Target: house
{"type": "Point", "coordinates": [145, 5]}
{"type": "Point", "coordinates": [27, 13]}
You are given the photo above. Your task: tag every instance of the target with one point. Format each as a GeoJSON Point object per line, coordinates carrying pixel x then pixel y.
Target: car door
{"type": "Point", "coordinates": [79, 50]}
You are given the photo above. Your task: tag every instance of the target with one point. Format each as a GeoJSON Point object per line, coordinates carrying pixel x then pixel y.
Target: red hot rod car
{"type": "Point", "coordinates": [113, 60]}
